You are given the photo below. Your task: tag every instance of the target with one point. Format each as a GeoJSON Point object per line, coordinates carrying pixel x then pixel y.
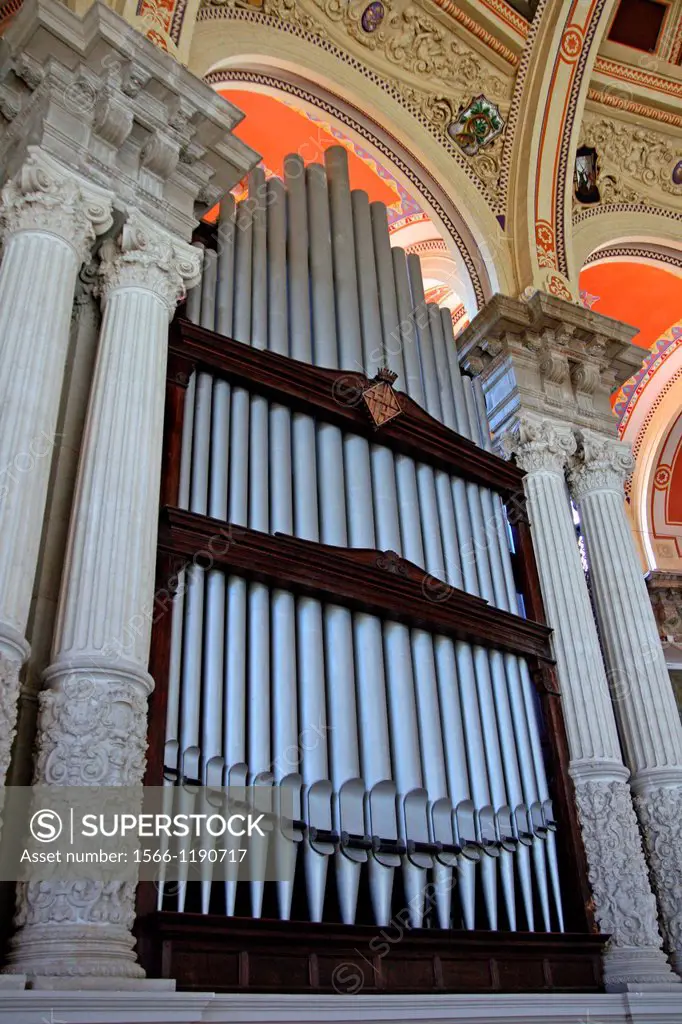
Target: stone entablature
{"type": "Point", "coordinates": [105, 101]}
{"type": "Point", "coordinates": [549, 358]}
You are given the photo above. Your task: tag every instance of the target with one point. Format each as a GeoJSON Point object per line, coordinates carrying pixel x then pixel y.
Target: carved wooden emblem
{"type": "Point", "coordinates": [380, 398]}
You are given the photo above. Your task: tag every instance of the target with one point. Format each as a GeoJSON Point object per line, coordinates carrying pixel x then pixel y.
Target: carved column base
{"type": "Point", "coordinates": [13, 653]}
{"type": "Point", "coordinates": [625, 907]}
{"type": "Point", "coordinates": [92, 731]}
{"type": "Point", "coordinates": [76, 951]}
{"type": "Point", "coordinates": [659, 809]}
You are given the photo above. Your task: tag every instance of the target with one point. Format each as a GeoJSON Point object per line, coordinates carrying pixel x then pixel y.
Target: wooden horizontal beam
{"type": "Point", "coordinates": [215, 953]}
{"type": "Point", "coordinates": [376, 582]}
{"type": "Point", "coordinates": [335, 396]}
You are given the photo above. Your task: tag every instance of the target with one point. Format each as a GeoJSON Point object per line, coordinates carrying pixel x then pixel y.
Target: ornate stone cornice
{"type": "Point", "coordinates": [46, 196]}
{"type": "Point", "coordinates": [600, 464]}
{"type": "Point", "coordinates": [539, 446]}
{"type": "Point", "coordinates": [546, 357]}
{"type": "Point", "coordinates": [100, 97]}
{"type": "Point", "coordinates": [147, 257]}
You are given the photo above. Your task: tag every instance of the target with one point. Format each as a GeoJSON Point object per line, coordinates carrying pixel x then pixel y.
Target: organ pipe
{"type": "Point", "coordinates": [418, 739]}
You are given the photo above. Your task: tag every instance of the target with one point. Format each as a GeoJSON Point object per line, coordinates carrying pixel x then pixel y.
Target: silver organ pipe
{"type": "Point", "coordinates": [283, 609]}
{"type": "Point", "coordinates": [379, 729]}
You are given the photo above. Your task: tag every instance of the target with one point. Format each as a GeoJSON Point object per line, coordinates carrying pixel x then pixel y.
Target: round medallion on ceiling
{"type": "Point", "coordinates": [372, 16]}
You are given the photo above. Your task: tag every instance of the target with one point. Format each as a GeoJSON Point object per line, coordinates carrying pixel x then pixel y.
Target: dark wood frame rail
{"type": "Point", "coordinates": [230, 954]}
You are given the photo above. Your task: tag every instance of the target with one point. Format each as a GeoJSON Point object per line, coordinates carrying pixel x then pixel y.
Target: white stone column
{"type": "Point", "coordinates": [50, 217]}
{"type": "Point", "coordinates": [92, 720]}
{"type": "Point", "coordinates": [643, 698]}
{"type": "Point", "coordinates": [625, 907]}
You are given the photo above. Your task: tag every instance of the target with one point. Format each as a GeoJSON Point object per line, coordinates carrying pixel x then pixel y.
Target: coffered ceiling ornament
{"type": "Point", "coordinates": [634, 164]}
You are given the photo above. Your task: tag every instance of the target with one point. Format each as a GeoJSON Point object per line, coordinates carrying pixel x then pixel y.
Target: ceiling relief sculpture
{"type": "Point", "coordinates": [401, 47]}
{"type": "Point", "coordinates": [636, 164]}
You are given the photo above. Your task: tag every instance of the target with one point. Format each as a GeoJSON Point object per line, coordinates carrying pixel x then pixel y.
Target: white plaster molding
{"type": "Point", "coordinates": [549, 358]}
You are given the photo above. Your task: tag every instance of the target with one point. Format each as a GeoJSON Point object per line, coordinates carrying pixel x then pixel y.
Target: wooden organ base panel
{"type": "Point", "coordinates": [218, 954]}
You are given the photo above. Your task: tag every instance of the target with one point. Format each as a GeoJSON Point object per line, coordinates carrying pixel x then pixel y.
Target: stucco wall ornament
{"type": "Point", "coordinates": [442, 112]}
{"type": "Point", "coordinates": [479, 124]}
{"type": "Point", "coordinates": [407, 38]}
{"type": "Point", "coordinates": [410, 47]}
{"type": "Point", "coordinates": [634, 162]}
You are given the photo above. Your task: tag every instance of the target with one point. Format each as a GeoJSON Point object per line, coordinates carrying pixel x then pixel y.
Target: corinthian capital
{"type": "Point", "coordinates": [600, 464]}
{"type": "Point", "coordinates": [46, 196]}
{"type": "Point", "coordinates": [540, 446]}
{"type": "Point", "coordinates": [147, 257]}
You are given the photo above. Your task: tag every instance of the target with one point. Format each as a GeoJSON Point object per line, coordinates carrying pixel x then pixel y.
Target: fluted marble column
{"type": "Point", "coordinates": [624, 904]}
{"type": "Point", "coordinates": [50, 217]}
{"type": "Point", "coordinates": [93, 711]}
{"type": "Point", "coordinates": [643, 698]}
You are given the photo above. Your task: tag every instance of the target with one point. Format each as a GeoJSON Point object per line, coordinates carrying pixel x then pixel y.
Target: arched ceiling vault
{"type": "Point", "coordinates": [553, 74]}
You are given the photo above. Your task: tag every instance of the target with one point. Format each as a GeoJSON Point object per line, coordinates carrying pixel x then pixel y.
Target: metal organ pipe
{"type": "Point", "coordinates": [412, 732]}
{"type": "Point", "coordinates": [380, 505]}
{"type": "Point", "coordinates": [521, 694]}
{"type": "Point", "coordinates": [412, 524]}
{"type": "Point", "coordinates": [283, 608]}
{"type": "Point", "coordinates": [424, 682]}
{"type": "Point", "coordinates": [435, 406]}
{"type": "Point", "coordinates": [258, 616]}
{"type": "Point", "coordinates": [516, 696]}
{"type": "Point", "coordinates": [363, 632]}
{"type": "Point", "coordinates": [337, 621]}
{"type": "Point", "coordinates": [311, 666]}
{"type": "Point", "coordinates": [172, 750]}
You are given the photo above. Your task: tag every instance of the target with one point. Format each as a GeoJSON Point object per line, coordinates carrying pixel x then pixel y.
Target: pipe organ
{"type": "Point", "coordinates": [411, 741]}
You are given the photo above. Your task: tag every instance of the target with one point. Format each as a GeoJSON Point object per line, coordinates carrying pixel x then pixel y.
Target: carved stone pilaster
{"type": "Point", "coordinates": [624, 903]}
{"type": "Point", "coordinates": [91, 731]}
{"type": "Point", "coordinates": [644, 702]}
{"type": "Point", "coordinates": [665, 591]}
{"type": "Point", "coordinates": [93, 712]}
{"type": "Point", "coordinates": [625, 907]}
{"type": "Point", "coordinates": [9, 697]}
{"type": "Point", "coordinates": [49, 217]}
